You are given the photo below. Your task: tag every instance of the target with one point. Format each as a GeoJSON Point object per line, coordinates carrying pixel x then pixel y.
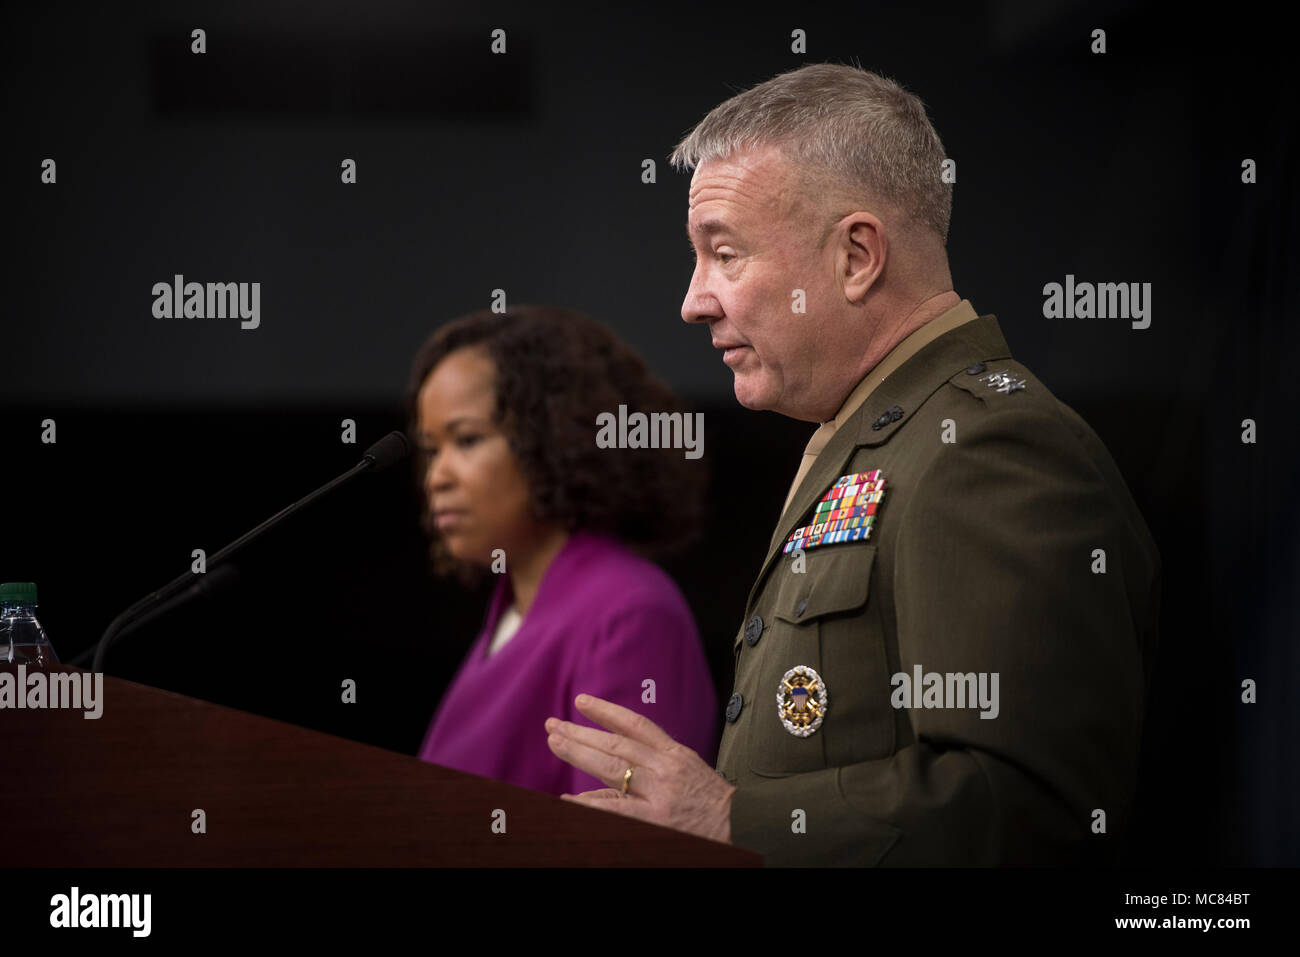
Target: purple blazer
{"type": "Point", "coordinates": [603, 622]}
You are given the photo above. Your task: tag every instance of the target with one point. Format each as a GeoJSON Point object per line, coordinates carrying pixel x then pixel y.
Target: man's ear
{"type": "Point", "coordinates": [864, 246]}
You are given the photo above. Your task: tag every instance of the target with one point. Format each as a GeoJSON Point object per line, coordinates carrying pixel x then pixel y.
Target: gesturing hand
{"type": "Point", "coordinates": [670, 784]}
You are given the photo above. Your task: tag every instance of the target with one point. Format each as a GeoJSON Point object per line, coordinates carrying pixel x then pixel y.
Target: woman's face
{"type": "Point", "coordinates": [476, 492]}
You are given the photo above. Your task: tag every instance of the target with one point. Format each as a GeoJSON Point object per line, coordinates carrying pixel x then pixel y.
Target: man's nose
{"type": "Point", "coordinates": [699, 305]}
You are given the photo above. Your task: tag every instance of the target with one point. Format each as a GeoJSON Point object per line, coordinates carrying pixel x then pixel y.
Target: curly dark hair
{"type": "Point", "coordinates": [556, 371]}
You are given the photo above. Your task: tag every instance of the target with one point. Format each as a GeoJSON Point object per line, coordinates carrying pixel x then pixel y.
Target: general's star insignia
{"type": "Point", "coordinates": [1003, 381]}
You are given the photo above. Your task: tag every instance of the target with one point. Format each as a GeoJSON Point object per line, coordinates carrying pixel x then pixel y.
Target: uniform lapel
{"type": "Point", "coordinates": [831, 463]}
{"type": "Point", "coordinates": [824, 471]}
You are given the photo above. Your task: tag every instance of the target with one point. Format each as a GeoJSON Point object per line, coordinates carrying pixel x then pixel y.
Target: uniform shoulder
{"type": "Point", "coordinates": [1002, 385]}
{"type": "Point", "coordinates": [1001, 396]}
{"type": "Point", "coordinates": [1002, 399]}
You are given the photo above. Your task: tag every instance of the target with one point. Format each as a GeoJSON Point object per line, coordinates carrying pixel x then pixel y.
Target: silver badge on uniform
{"type": "Point", "coordinates": [801, 701]}
{"type": "Point", "coordinates": [1003, 381]}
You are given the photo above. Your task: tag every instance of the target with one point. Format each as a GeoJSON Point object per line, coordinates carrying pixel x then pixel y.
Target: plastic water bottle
{"type": "Point", "coordinates": [22, 639]}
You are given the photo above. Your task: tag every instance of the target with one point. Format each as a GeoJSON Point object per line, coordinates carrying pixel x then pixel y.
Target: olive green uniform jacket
{"type": "Point", "coordinates": [1001, 509]}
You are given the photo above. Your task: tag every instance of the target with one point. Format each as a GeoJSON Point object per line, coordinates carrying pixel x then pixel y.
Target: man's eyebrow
{"type": "Point", "coordinates": [708, 227]}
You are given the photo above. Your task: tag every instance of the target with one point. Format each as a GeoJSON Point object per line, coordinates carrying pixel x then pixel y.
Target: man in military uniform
{"type": "Point", "coordinates": [944, 657]}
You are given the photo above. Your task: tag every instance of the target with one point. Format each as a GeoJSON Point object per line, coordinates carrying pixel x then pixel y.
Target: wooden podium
{"type": "Point", "coordinates": [120, 791]}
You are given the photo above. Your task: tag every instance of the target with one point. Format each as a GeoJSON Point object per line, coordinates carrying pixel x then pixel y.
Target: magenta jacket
{"type": "Point", "coordinates": [603, 622]}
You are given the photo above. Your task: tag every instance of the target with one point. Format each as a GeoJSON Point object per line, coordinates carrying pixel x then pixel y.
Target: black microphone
{"type": "Point", "coordinates": [209, 585]}
{"type": "Point", "coordinates": [389, 450]}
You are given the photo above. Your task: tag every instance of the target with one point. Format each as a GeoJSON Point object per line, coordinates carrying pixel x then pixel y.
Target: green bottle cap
{"type": "Point", "coordinates": [13, 592]}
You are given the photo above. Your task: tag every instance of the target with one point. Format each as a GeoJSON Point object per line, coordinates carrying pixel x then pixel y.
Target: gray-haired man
{"type": "Point", "coordinates": [942, 660]}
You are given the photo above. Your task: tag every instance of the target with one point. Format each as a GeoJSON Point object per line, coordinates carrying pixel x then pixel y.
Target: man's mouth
{"type": "Point", "coordinates": [730, 353]}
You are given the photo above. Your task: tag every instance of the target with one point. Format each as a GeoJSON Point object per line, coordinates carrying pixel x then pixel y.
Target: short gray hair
{"type": "Point", "coordinates": [849, 130]}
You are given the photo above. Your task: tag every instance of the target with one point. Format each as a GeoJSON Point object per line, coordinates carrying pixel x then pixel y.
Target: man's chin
{"type": "Point", "coordinates": [751, 399]}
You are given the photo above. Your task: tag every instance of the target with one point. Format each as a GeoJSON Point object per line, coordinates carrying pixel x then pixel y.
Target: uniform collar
{"type": "Point", "coordinates": [917, 340]}
{"type": "Point", "coordinates": [886, 409]}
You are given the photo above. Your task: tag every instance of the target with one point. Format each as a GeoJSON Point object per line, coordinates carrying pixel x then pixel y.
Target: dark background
{"type": "Point", "coordinates": [523, 172]}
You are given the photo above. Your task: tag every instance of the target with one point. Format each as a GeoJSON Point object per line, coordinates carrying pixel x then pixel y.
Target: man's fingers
{"type": "Point", "coordinates": [623, 721]}
{"type": "Point", "coordinates": [625, 749]}
{"type": "Point", "coordinates": [596, 794]}
{"type": "Point", "coordinates": [628, 808]}
{"type": "Point", "coordinates": [569, 746]}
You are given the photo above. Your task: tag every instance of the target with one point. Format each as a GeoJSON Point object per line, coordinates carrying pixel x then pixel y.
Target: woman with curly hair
{"type": "Point", "coordinates": [504, 411]}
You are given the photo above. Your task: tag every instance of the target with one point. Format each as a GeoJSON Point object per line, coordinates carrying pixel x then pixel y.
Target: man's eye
{"type": "Point", "coordinates": [725, 256]}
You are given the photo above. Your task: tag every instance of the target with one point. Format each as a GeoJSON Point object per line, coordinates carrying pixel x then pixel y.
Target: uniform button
{"type": "Point", "coordinates": [733, 707]}
{"type": "Point", "coordinates": [976, 369]}
{"type": "Point", "coordinates": [753, 631]}
{"type": "Point", "coordinates": [801, 607]}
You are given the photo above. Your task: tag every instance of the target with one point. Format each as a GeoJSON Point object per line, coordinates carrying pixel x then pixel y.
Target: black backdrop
{"type": "Point", "coordinates": [523, 172]}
